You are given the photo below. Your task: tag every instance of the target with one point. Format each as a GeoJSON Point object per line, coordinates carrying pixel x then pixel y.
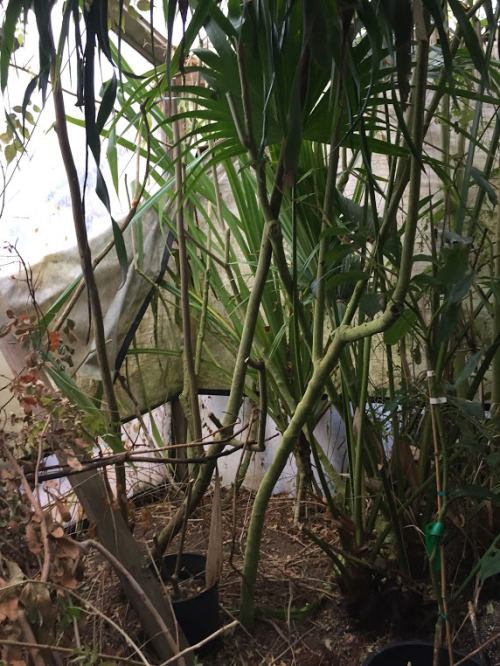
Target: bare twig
{"type": "Point", "coordinates": [145, 429]}
{"type": "Point", "coordinates": [127, 456]}
{"type": "Point", "coordinates": [68, 651]}
{"type": "Point", "coordinates": [206, 640]}
{"type": "Point", "coordinates": [90, 543]}
{"type": "Point", "coordinates": [490, 640]}
{"type": "Point", "coordinates": [58, 471]}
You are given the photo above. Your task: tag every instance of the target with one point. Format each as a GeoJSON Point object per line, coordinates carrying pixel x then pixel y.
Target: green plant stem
{"type": "Point", "coordinates": [441, 475]}
{"type": "Point", "coordinates": [312, 394]}
{"type": "Point", "coordinates": [190, 388]}
{"type": "Point", "coordinates": [203, 318]}
{"type": "Point", "coordinates": [474, 571]}
{"type": "Point", "coordinates": [329, 198]}
{"type": "Point", "coordinates": [495, 389]}
{"type": "Point", "coordinates": [322, 369]}
{"type": "Point", "coordinates": [270, 208]}
{"type": "Point", "coordinates": [358, 476]}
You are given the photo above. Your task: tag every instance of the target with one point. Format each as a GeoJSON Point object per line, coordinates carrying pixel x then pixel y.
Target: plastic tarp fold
{"type": "Point", "coordinates": [153, 374]}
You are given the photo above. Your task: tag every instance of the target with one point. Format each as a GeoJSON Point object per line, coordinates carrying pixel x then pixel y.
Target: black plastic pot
{"type": "Point", "coordinates": [198, 615]}
{"type": "Point", "coordinates": [417, 653]}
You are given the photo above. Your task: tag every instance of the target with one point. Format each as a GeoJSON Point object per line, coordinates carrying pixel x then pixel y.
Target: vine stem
{"type": "Point", "coordinates": [88, 273]}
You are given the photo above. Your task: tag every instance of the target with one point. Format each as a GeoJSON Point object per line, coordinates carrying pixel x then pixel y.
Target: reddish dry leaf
{"type": "Point", "coordinates": [66, 547]}
{"type": "Point", "coordinates": [63, 509]}
{"type": "Point", "coordinates": [147, 518]}
{"type": "Point", "coordinates": [27, 404]}
{"type": "Point", "coordinates": [16, 662]}
{"type": "Point", "coordinates": [57, 532]}
{"type": "Point", "coordinates": [32, 539]}
{"type": "Point", "coordinates": [8, 604]}
{"type": "Point", "coordinates": [63, 575]}
{"type": "Point", "coordinates": [54, 338]}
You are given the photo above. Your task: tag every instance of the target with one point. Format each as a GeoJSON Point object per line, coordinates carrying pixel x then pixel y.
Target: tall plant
{"type": "Point", "coordinates": [297, 105]}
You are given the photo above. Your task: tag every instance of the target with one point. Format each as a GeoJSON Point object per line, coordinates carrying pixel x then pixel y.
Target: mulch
{"type": "Point", "coordinates": [303, 615]}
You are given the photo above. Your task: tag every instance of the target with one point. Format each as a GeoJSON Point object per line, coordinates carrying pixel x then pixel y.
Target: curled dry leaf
{"type": "Point", "coordinates": [66, 547]}
{"type": "Point", "coordinates": [40, 610]}
{"type": "Point", "coordinates": [8, 608]}
{"type": "Point", "coordinates": [9, 591]}
{"type": "Point", "coordinates": [27, 404]}
{"type": "Point", "coordinates": [63, 509]}
{"type": "Point", "coordinates": [57, 532]}
{"type": "Point", "coordinates": [32, 540]}
{"type": "Point", "coordinates": [6, 474]}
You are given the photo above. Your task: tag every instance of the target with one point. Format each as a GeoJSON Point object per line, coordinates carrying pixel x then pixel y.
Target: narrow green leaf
{"type": "Point", "coordinates": [102, 190]}
{"type": "Point", "coordinates": [470, 38]}
{"type": "Point", "coordinates": [12, 14]}
{"type": "Point", "coordinates": [468, 407]}
{"type": "Point", "coordinates": [495, 288]}
{"type": "Point", "coordinates": [460, 288]}
{"type": "Point", "coordinates": [112, 155]}
{"type": "Point", "coordinates": [63, 35]}
{"type": "Point", "coordinates": [484, 184]}
{"type": "Point", "coordinates": [70, 389]}
{"type": "Point", "coordinates": [401, 327]}
{"type": "Point", "coordinates": [479, 492]}
{"type": "Point", "coordinates": [169, 10]}
{"type": "Point", "coordinates": [43, 10]}
{"type": "Point", "coordinates": [100, 26]}
{"type": "Point", "coordinates": [447, 322]}
{"type": "Point", "coordinates": [436, 10]}
{"type": "Point", "coordinates": [27, 97]}
{"type": "Point", "coordinates": [490, 564]}
{"type": "Point", "coordinates": [107, 103]}
{"type": "Point", "coordinates": [121, 250]}
{"type": "Point", "coordinates": [346, 278]}
{"type": "Point", "coordinates": [470, 366]}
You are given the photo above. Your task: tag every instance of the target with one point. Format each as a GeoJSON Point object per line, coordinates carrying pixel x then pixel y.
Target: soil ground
{"type": "Point", "coordinates": [304, 620]}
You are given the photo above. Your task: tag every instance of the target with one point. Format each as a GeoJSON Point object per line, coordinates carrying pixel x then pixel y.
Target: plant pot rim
{"type": "Point", "coordinates": [202, 592]}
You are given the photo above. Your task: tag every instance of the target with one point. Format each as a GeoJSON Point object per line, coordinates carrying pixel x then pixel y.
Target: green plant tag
{"type": "Point", "coordinates": [433, 532]}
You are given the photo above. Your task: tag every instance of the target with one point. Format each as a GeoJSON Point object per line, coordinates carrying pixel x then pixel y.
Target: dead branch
{"type": "Point", "coordinates": [44, 576]}
{"type": "Point", "coordinates": [90, 543]}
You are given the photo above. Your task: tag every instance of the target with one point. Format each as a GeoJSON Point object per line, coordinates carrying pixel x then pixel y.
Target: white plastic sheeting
{"type": "Point", "coordinates": [144, 476]}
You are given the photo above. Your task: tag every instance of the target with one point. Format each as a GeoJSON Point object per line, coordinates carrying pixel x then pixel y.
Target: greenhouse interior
{"type": "Point", "coordinates": [250, 332]}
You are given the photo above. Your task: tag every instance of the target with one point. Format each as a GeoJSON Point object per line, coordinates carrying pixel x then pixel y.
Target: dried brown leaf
{"type": "Point", "coordinates": [32, 540]}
